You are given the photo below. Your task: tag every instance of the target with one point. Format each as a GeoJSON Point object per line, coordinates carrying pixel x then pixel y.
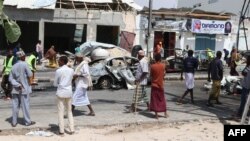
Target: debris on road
{"type": "Point", "coordinates": [39, 133]}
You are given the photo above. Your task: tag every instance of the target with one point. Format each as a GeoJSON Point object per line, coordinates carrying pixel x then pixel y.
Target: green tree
{"type": "Point", "coordinates": [11, 28]}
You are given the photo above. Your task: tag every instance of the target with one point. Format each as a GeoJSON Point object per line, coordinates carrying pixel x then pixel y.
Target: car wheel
{"type": "Point", "coordinates": [105, 83]}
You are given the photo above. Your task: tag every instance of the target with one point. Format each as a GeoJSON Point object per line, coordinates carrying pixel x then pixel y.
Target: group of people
{"type": "Point", "coordinates": [232, 61]}
{"type": "Point", "coordinates": [215, 73]}
{"type": "Point", "coordinates": [157, 72]}
{"type": "Point", "coordinates": [18, 77]}
{"type": "Point", "coordinates": [50, 54]}
{"type": "Point", "coordinates": [9, 61]}
{"type": "Point", "coordinates": [64, 77]}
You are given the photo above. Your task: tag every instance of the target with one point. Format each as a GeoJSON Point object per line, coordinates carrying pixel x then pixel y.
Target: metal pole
{"type": "Point", "coordinates": [240, 20]}
{"type": "Point", "coordinates": [149, 25]}
{"type": "Point", "coordinates": [245, 35]}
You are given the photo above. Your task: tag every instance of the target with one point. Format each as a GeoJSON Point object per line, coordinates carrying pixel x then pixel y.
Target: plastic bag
{"type": "Point", "coordinates": [12, 31]}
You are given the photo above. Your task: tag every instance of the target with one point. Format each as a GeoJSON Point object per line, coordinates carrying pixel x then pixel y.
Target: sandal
{"type": "Point", "coordinates": [60, 134]}
{"type": "Point", "coordinates": [31, 123]}
{"type": "Point", "coordinates": [91, 114]}
{"type": "Point", "coordinates": [179, 103]}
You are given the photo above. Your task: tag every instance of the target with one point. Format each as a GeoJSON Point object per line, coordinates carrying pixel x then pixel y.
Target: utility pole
{"type": "Point", "coordinates": [149, 25]}
{"type": "Point", "coordinates": [242, 17]}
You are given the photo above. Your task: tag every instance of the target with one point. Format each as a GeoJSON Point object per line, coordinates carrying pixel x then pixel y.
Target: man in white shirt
{"type": "Point", "coordinates": [39, 50]}
{"type": "Point", "coordinates": [141, 81]}
{"type": "Point", "coordinates": [63, 81]}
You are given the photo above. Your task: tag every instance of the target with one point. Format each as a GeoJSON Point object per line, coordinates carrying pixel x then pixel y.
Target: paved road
{"type": "Point", "coordinates": [111, 108]}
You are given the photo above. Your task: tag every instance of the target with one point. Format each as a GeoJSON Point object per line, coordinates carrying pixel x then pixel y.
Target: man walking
{"type": "Point", "coordinates": [63, 79]}
{"type": "Point", "coordinates": [190, 64]}
{"type": "Point", "coordinates": [234, 60]}
{"type": "Point", "coordinates": [158, 102]}
{"type": "Point", "coordinates": [7, 66]}
{"type": "Point", "coordinates": [82, 82]}
{"type": "Point", "coordinates": [39, 51]}
{"type": "Point", "coordinates": [20, 78]}
{"type": "Point", "coordinates": [216, 71]}
{"type": "Point", "coordinates": [141, 81]}
{"type": "Point", "coordinates": [226, 52]}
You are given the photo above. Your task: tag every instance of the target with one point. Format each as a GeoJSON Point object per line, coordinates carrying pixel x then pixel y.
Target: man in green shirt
{"type": "Point", "coordinates": [32, 64]}
{"type": "Point", "coordinates": [7, 66]}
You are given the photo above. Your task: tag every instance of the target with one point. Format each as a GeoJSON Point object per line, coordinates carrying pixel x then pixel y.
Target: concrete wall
{"type": "Point", "coordinates": [124, 20]}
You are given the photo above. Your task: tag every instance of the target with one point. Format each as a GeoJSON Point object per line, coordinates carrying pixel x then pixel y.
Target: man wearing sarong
{"type": "Point", "coordinates": [140, 95]}
{"type": "Point", "coordinates": [216, 71]}
{"type": "Point", "coordinates": [190, 64]}
{"type": "Point", "coordinates": [82, 80]}
{"type": "Point", "coordinates": [158, 102]}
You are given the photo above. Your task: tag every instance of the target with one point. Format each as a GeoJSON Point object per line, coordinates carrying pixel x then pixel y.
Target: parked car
{"type": "Point", "coordinates": [176, 62]}
{"type": "Point", "coordinates": [113, 72]}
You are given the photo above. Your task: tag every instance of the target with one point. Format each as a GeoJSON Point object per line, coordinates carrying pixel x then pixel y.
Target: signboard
{"type": "Point", "coordinates": [211, 26]}
{"type": "Point", "coordinates": [161, 24]}
{"type": "Point", "coordinates": [169, 25]}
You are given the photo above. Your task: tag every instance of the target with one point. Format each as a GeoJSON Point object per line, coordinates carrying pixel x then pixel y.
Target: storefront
{"type": "Point", "coordinates": [179, 28]}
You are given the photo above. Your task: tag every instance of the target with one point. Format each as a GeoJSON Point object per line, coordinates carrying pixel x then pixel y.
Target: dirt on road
{"type": "Point", "coordinates": [187, 131]}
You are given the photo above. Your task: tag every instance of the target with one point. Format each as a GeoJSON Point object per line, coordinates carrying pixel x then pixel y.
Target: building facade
{"type": "Point", "coordinates": [175, 28]}
{"type": "Point", "coordinates": [66, 24]}
{"type": "Point", "coordinates": [224, 6]}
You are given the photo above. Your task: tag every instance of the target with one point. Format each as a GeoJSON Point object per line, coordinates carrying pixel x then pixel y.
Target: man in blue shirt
{"type": "Point", "coordinates": [190, 65]}
{"type": "Point", "coordinates": [20, 78]}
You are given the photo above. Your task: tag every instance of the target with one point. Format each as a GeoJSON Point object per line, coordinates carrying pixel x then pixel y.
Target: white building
{"type": "Point", "coordinates": [223, 6]}
{"type": "Point", "coordinates": [175, 28]}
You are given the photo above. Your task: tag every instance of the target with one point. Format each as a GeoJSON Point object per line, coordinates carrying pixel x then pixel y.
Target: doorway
{"type": "Point", "coordinates": [107, 34]}
{"type": "Point", "coordinates": [60, 35]}
{"type": "Point", "coordinates": [29, 36]}
{"type": "Point", "coordinates": [204, 41]}
{"type": "Point", "coordinates": [169, 44]}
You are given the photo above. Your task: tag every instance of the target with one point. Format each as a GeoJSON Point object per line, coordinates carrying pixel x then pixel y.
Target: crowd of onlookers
{"type": "Point", "coordinates": [18, 76]}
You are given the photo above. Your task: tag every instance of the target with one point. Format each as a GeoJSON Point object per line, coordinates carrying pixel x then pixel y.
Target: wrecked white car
{"type": "Point", "coordinates": [113, 72]}
{"type": "Point", "coordinates": [111, 66]}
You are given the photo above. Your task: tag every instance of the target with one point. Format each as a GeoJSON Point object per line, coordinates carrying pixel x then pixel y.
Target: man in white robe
{"type": "Point", "coordinates": [82, 81]}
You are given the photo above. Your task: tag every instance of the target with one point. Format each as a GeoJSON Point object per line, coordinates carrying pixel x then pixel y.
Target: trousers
{"type": "Point", "coordinates": [61, 102]}
{"type": "Point", "coordinates": [20, 100]}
